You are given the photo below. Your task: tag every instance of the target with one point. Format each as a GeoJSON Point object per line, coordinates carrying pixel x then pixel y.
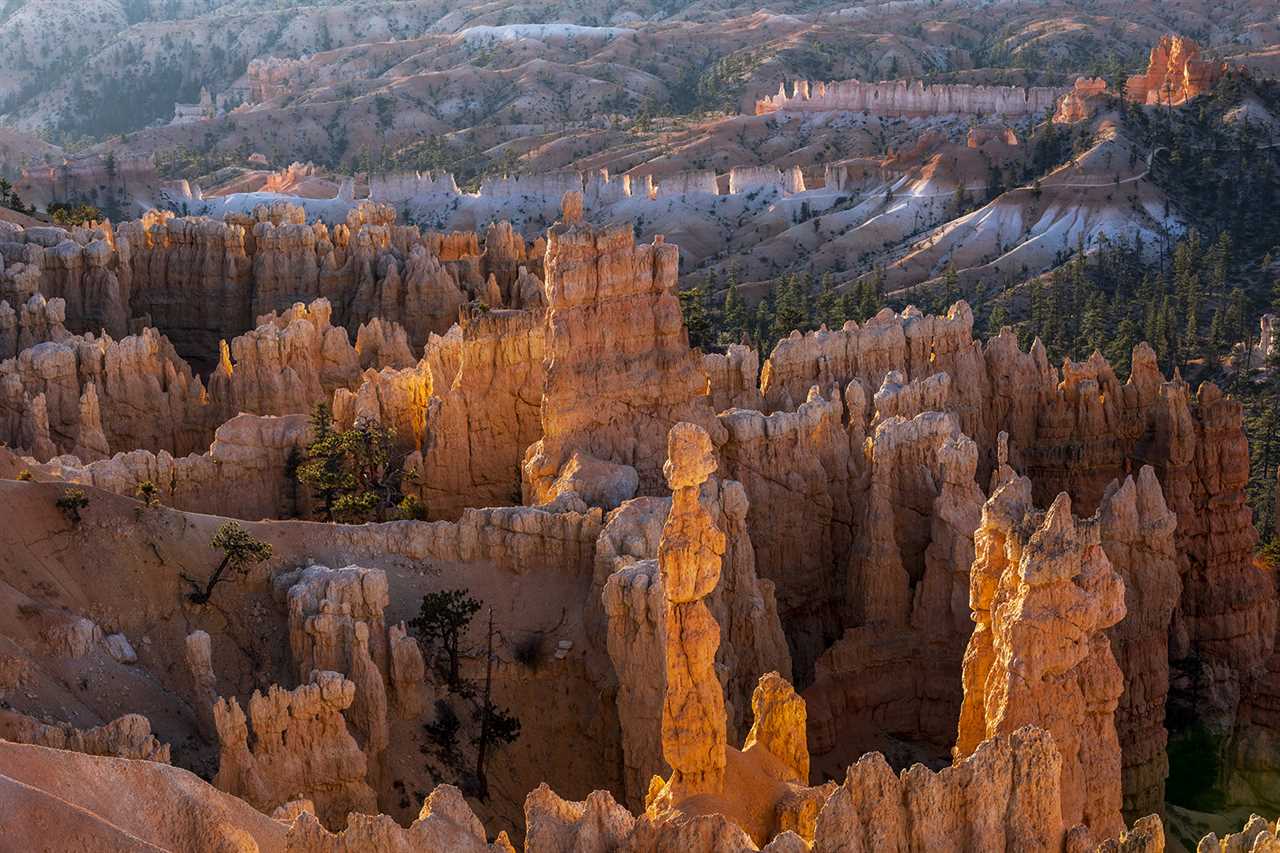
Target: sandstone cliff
{"type": "Point", "coordinates": [479, 425]}
{"type": "Point", "coordinates": [1138, 538]}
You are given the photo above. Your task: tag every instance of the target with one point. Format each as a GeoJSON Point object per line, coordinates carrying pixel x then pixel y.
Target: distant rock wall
{"type": "Point", "coordinates": [910, 98]}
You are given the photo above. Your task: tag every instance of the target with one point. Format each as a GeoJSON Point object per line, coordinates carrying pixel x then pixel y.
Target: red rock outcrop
{"type": "Point", "coordinates": [1077, 104]}
{"type": "Point", "coordinates": [192, 277]}
{"type": "Point", "coordinates": [632, 593]}
{"type": "Point", "coordinates": [1258, 836]}
{"type": "Point", "coordinates": [445, 822]}
{"type": "Point", "coordinates": [799, 470]}
{"type": "Point", "coordinates": [290, 362]}
{"type": "Point", "coordinates": [1074, 430]}
{"type": "Point", "coordinates": [480, 424]}
{"type": "Point", "coordinates": [325, 605]}
{"type": "Point", "coordinates": [733, 378]}
{"type": "Point", "coordinates": [201, 280]}
{"type": "Point", "coordinates": [243, 474]}
{"type": "Point", "coordinates": [125, 737]}
{"type": "Point", "coordinates": [35, 321]}
{"type": "Point", "coordinates": [779, 725]}
{"type": "Point", "coordinates": [204, 683]}
{"type": "Point", "coordinates": [1043, 593]}
{"type": "Point", "coordinates": [1175, 74]}
{"type": "Point", "coordinates": [382, 344]}
{"type": "Point", "coordinates": [146, 397]}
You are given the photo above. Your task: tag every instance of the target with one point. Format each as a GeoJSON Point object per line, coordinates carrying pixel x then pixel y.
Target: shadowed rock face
{"type": "Point", "coordinates": [301, 747]}
{"type": "Point", "coordinates": [1138, 537]}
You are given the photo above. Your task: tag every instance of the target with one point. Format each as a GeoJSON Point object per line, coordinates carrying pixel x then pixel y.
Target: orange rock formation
{"type": "Point", "coordinates": [1043, 595]}
{"type": "Point", "coordinates": [1175, 74]}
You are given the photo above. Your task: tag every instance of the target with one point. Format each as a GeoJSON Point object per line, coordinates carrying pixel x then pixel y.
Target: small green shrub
{"type": "Point", "coordinates": [147, 493]}
{"type": "Point", "coordinates": [71, 502]}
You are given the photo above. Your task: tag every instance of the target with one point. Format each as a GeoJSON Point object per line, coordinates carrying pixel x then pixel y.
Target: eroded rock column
{"type": "Point", "coordinates": [1043, 594]}
{"type": "Point", "coordinates": [693, 716]}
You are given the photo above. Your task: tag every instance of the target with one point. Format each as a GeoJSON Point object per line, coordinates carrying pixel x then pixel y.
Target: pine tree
{"type": "Point", "coordinates": [497, 724]}
{"type": "Point", "coordinates": [1217, 340]}
{"type": "Point", "coordinates": [869, 296]}
{"type": "Point", "coordinates": [849, 303]}
{"type": "Point", "coordinates": [1221, 260]}
{"type": "Point", "coordinates": [1235, 319]}
{"type": "Point", "coordinates": [1119, 347]}
{"type": "Point", "coordinates": [998, 319]}
{"type": "Point", "coordinates": [1159, 337]}
{"type": "Point", "coordinates": [239, 550]}
{"type": "Point", "coordinates": [1093, 326]}
{"type": "Point", "coordinates": [735, 316]}
{"type": "Point", "coordinates": [693, 308]}
{"type": "Point", "coordinates": [830, 307]}
{"type": "Point", "coordinates": [761, 332]}
{"type": "Point", "coordinates": [789, 311]}
{"type": "Point", "coordinates": [946, 293]}
{"type": "Point", "coordinates": [1191, 331]}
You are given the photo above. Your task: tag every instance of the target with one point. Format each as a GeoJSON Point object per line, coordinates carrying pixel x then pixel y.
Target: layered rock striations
{"type": "Point", "coordinates": [290, 362]}
{"type": "Point", "coordinates": [99, 393]}
{"type": "Point", "coordinates": [479, 425]}
{"type": "Point", "coordinates": [128, 736]}
{"type": "Point", "coordinates": [689, 555]}
{"type": "Point", "coordinates": [32, 322]}
{"type": "Point", "coordinates": [245, 473]}
{"type": "Point", "coordinates": [631, 591]}
{"type": "Point", "coordinates": [799, 470]}
{"type": "Point", "coordinates": [1137, 532]}
{"type": "Point", "coordinates": [201, 280]}
{"type": "Point", "coordinates": [1077, 430]}
{"type": "Point", "coordinates": [894, 670]}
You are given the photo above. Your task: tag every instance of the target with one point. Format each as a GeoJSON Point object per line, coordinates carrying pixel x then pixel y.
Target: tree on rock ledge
{"type": "Point", "coordinates": [239, 551]}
